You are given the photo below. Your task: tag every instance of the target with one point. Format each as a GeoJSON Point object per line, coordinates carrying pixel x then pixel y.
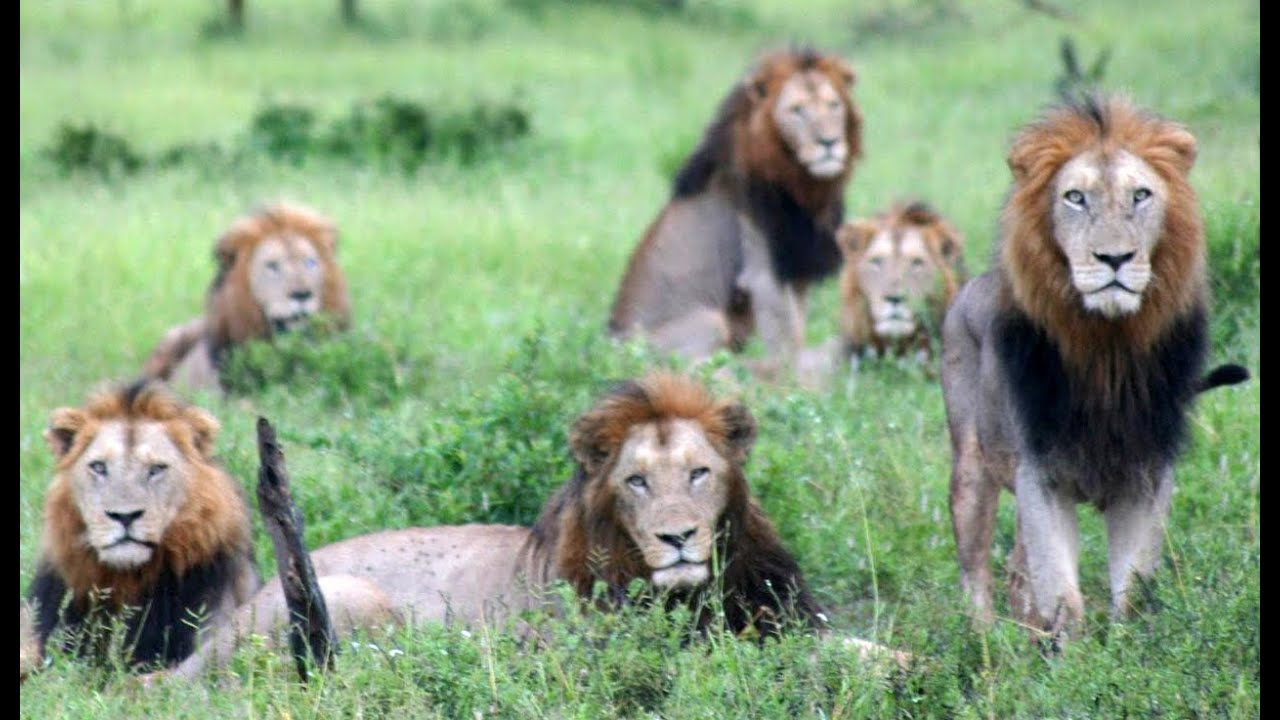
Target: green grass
{"type": "Point", "coordinates": [480, 294]}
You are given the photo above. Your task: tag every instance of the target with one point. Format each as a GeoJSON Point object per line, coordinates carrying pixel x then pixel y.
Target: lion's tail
{"type": "Point", "coordinates": [1229, 374]}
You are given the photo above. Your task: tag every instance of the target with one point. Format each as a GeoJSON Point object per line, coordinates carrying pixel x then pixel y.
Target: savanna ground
{"type": "Point", "coordinates": [481, 284]}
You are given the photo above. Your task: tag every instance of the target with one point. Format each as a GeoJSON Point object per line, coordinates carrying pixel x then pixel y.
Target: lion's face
{"type": "Point", "coordinates": [1108, 213]}
{"type": "Point", "coordinates": [128, 466]}
{"type": "Point", "coordinates": [670, 487]}
{"type": "Point", "coordinates": [127, 485]}
{"type": "Point", "coordinates": [901, 265]}
{"type": "Point", "coordinates": [277, 268]}
{"type": "Point", "coordinates": [811, 117]}
{"type": "Point", "coordinates": [286, 277]}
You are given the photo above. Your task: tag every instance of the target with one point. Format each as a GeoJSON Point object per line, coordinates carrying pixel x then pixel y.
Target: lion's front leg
{"type": "Point", "coordinates": [1135, 529]}
{"type": "Point", "coordinates": [777, 308]}
{"type": "Point", "coordinates": [1051, 537]}
{"type": "Point", "coordinates": [974, 500]}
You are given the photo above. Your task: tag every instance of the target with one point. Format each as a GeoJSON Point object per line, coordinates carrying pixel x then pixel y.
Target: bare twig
{"type": "Point", "coordinates": [310, 626]}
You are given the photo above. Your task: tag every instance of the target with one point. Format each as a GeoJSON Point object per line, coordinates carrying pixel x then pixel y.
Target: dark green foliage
{"type": "Point", "coordinates": [282, 132]}
{"type": "Point", "coordinates": [87, 148]}
{"type": "Point", "coordinates": [341, 367]}
{"type": "Point", "coordinates": [387, 133]}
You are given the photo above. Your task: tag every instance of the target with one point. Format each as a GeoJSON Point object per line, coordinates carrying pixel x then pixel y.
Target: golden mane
{"type": "Point", "coordinates": [213, 520]}
{"type": "Point", "coordinates": [1036, 273]}
{"type": "Point", "coordinates": [945, 247]}
{"type": "Point", "coordinates": [579, 538]}
{"type": "Point", "coordinates": [232, 314]}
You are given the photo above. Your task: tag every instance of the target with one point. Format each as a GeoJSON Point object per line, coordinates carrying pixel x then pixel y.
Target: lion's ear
{"type": "Point", "coordinates": [204, 429]}
{"type": "Point", "coordinates": [843, 70]}
{"type": "Point", "coordinates": [950, 243]}
{"type": "Point", "coordinates": [852, 237]}
{"type": "Point", "coordinates": [740, 430]}
{"type": "Point", "coordinates": [226, 249]}
{"type": "Point", "coordinates": [64, 423]}
{"type": "Point", "coordinates": [1020, 157]}
{"type": "Point", "coordinates": [587, 442]}
{"type": "Point", "coordinates": [1179, 141]}
{"type": "Point", "coordinates": [756, 86]}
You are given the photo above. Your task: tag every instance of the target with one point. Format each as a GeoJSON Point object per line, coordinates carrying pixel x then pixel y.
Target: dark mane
{"type": "Point", "coordinates": [1114, 442]}
{"type": "Point", "coordinates": [578, 536]}
{"type": "Point", "coordinates": [160, 627]}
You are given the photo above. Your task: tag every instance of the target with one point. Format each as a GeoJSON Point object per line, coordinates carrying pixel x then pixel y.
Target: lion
{"type": "Point", "coordinates": [751, 222]}
{"type": "Point", "coordinates": [140, 525]}
{"type": "Point", "coordinates": [277, 269]}
{"type": "Point", "coordinates": [902, 268]}
{"type": "Point", "coordinates": [658, 495]}
{"type": "Point", "coordinates": [1070, 367]}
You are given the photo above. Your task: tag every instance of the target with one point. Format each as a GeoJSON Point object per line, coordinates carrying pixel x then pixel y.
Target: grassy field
{"type": "Point", "coordinates": [480, 290]}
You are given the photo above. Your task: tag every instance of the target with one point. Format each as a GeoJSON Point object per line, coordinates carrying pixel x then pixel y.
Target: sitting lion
{"type": "Point", "coordinates": [657, 493]}
{"type": "Point", "coordinates": [139, 524]}
{"type": "Point", "coordinates": [276, 269]}
{"type": "Point", "coordinates": [902, 267]}
{"type": "Point", "coordinates": [1070, 367]}
{"type": "Point", "coordinates": [751, 222]}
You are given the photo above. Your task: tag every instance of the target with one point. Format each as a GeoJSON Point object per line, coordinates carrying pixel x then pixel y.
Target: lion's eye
{"type": "Point", "coordinates": [273, 266]}
{"type": "Point", "coordinates": [98, 467]}
{"type": "Point", "coordinates": [637, 482]}
{"type": "Point", "coordinates": [876, 262]}
{"type": "Point", "coordinates": [1075, 197]}
{"type": "Point", "coordinates": [834, 105]}
{"type": "Point", "coordinates": [310, 263]}
{"type": "Point", "coordinates": [917, 263]}
{"type": "Point", "coordinates": [699, 473]}
{"type": "Point", "coordinates": [1140, 194]}
{"type": "Point", "coordinates": [156, 470]}
{"type": "Point", "coordinates": [797, 109]}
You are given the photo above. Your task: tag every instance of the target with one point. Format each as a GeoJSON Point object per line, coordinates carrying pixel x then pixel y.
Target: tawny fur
{"type": "Point", "coordinates": [485, 573]}
{"type": "Point", "coordinates": [748, 228]}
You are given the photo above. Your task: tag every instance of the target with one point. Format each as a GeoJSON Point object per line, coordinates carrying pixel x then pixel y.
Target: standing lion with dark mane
{"type": "Point", "coordinates": [751, 222]}
{"type": "Point", "coordinates": [1070, 367]}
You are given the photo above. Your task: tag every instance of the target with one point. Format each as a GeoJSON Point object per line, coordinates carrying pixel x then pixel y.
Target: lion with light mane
{"type": "Point", "coordinates": [1070, 367]}
{"type": "Point", "coordinates": [276, 269]}
{"type": "Point", "coordinates": [751, 222]}
{"type": "Point", "coordinates": [902, 268]}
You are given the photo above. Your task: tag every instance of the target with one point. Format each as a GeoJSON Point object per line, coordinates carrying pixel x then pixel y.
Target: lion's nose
{"type": "Point", "coordinates": [828, 143]}
{"type": "Point", "coordinates": [677, 540]}
{"type": "Point", "coordinates": [1115, 261]}
{"type": "Point", "coordinates": [125, 519]}
{"type": "Point", "coordinates": [301, 295]}
{"type": "Point", "coordinates": [894, 299]}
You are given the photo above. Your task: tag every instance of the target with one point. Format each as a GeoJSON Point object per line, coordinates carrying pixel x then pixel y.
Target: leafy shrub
{"type": "Point", "coordinates": [342, 366]}
{"type": "Point", "coordinates": [283, 132]}
{"type": "Point", "coordinates": [88, 148]}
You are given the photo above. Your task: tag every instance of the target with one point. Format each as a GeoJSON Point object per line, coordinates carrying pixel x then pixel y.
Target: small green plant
{"type": "Point", "coordinates": [283, 132]}
{"type": "Point", "coordinates": [88, 148]}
